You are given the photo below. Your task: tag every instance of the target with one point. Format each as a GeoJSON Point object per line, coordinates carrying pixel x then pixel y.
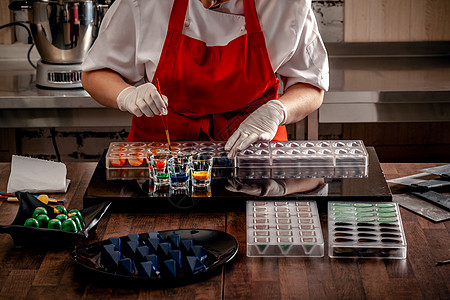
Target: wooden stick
{"type": "Point", "coordinates": [164, 118]}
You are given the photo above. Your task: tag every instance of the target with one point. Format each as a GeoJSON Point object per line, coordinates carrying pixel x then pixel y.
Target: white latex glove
{"type": "Point", "coordinates": [261, 125]}
{"type": "Point", "coordinates": [261, 188]}
{"type": "Point", "coordinates": [142, 100]}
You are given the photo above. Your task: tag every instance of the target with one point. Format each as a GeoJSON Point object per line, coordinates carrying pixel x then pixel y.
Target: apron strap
{"type": "Point", "coordinates": [178, 15]}
{"type": "Point", "coordinates": [251, 17]}
{"type": "Point", "coordinates": [179, 9]}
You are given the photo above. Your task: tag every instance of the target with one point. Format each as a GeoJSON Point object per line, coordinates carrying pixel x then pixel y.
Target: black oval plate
{"type": "Point", "coordinates": [220, 248]}
{"type": "Point", "coordinates": [44, 237]}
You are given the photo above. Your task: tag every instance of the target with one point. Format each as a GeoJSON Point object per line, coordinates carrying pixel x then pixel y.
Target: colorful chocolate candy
{"type": "Point", "coordinates": [31, 222]}
{"type": "Point", "coordinates": [54, 224]}
{"type": "Point", "coordinates": [71, 221]}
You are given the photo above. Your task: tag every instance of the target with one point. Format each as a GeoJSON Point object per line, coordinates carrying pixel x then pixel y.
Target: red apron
{"type": "Point", "coordinates": [211, 90]}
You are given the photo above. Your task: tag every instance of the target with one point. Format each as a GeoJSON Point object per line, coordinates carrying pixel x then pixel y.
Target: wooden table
{"type": "Point", "coordinates": [25, 273]}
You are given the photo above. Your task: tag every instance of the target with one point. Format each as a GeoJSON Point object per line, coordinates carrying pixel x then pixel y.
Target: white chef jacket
{"type": "Point", "coordinates": [132, 35]}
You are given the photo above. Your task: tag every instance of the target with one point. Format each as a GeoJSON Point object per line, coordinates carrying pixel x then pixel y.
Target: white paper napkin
{"type": "Point", "coordinates": [37, 176]}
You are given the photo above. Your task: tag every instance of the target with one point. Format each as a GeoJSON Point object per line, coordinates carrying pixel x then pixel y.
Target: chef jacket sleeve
{"type": "Point", "coordinates": [309, 61]}
{"type": "Point", "coordinates": [116, 44]}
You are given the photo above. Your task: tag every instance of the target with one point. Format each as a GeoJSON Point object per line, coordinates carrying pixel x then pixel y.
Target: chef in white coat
{"type": "Point", "coordinates": [218, 64]}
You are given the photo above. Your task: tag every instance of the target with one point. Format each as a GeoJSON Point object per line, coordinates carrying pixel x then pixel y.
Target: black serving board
{"type": "Point", "coordinates": [139, 195]}
{"type": "Point", "coordinates": [45, 237]}
{"type": "Point", "coordinates": [218, 246]}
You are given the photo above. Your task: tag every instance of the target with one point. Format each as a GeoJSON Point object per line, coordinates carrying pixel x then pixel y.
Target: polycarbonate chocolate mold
{"type": "Point", "coordinates": [129, 160]}
{"type": "Point", "coordinates": [346, 158]}
{"type": "Point", "coordinates": [301, 154]}
{"type": "Point", "coordinates": [284, 228]}
{"type": "Point", "coordinates": [365, 229]}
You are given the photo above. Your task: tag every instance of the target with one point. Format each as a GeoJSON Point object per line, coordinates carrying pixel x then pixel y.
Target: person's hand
{"type": "Point", "coordinates": [261, 125]}
{"type": "Point", "coordinates": [261, 188]}
{"type": "Point", "coordinates": [142, 100]}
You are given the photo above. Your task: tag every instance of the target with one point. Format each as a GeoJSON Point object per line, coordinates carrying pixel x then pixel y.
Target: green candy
{"type": "Point", "coordinates": [43, 221]}
{"type": "Point", "coordinates": [385, 205]}
{"type": "Point", "coordinates": [342, 204]}
{"type": "Point", "coordinates": [69, 225]}
{"type": "Point", "coordinates": [77, 222]}
{"type": "Point", "coordinates": [366, 219]}
{"type": "Point", "coordinates": [39, 211]}
{"type": "Point", "coordinates": [343, 208]}
{"type": "Point", "coordinates": [386, 210]}
{"type": "Point", "coordinates": [60, 209]}
{"type": "Point", "coordinates": [31, 222]}
{"type": "Point", "coordinates": [387, 215]}
{"type": "Point", "coordinates": [61, 217]}
{"type": "Point", "coordinates": [387, 220]}
{"type": "Point", "coordinates": [75, 212]}
{"type": "Point", "coordinates": [365, 214]}
{"type": "Point", "coordinates": [364, 209]}
{"type": "Point", "coordinates": [343, 214]}
{"type": "Point", "coordinates": [54, 224]}
{"type": "Point", "coordinates": [343, 219]}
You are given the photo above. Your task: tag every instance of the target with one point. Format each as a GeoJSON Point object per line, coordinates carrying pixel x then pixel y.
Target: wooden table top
{"type": "Point", "coordinates": [25, 273]}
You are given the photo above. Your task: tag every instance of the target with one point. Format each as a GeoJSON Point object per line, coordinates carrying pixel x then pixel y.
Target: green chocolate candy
{"type": "Point", "coordinates": [39, 211]}
{"type": "Point", "coordinates": [31, 222]}
{"type": "Point", "coordinates": [77, 222]}
{"type": "Point", "coordinates": [43, 221]}
{"type": "Point", "coordinates": [387, 220]}
{"type": "Point", "coordinates": [61, 217]}
{"type": "Point", "coordinates": [366, 219]}
{"type": "Point", "coordinates": [343, 214]}
{"type": "Point", "coordinates": [343, 208]}
{"type": "Point", "coordinates": [69, 225]}
{"type": "Point", "coordinates": [342, 204]}
{"type": "Point", "coordinates": [387, 215]}
{"type": "Point", "coordinates": [365, 214]}
{"type": "Point", "coordinates": [364, 209]}
{"type": "Point", "coordinates": [343, 219]}
{"type": "Point", "coordinates": [386, 210]}
{"type": "Point", "coordinates": [77, 213]}
{"type": "Point", "coordinates": [386, 205]}
{"type": "Point", "coordinates": [54, 224]}
{"type": "Point", "coordinates": [60, 209]}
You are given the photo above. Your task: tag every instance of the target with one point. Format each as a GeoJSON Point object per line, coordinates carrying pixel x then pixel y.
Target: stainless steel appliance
{"type": "Point", "coordinates": [63, 32]}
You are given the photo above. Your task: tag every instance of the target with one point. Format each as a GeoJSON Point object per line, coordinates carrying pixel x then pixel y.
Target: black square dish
{"type": "Point", "coordinates": [44, 237]}
{"type": "Point", "coordinates": [164, 258]}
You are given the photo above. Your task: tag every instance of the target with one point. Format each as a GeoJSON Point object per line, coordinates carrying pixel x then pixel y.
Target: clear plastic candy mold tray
{"type": "Point", "coordinates": [284, 228]}
{"type": "Point", "coordinates": [127, 155]}
{"type": "Point", "coordinates": [132, 155]}
{"type": "Point", "coordinates": [365, 230]}
{"type": "Point", "coordinates": [334, 157]}
{"type": "Point", "coordinates": [346, 153]}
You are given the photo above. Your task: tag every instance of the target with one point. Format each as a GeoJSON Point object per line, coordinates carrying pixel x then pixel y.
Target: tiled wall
{"type": "Point", "coordinates": [330, 18]}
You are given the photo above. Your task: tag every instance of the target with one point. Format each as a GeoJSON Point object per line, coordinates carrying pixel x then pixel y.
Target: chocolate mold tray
{"type": "Point", "coordinates": [366, 230]}
{"type": "Point", "coordinates": [126, 155]}
{"type": "Point", "coordinates": [288, 159]}
{"type": "Point", "coordinates": [304, 154]}
{"type": "Point", "coordinates": [122, 155]}
{"type": "Point", "coordinates": [284, 228]}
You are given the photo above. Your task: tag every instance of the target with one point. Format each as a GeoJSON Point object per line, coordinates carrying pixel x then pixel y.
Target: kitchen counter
{"type": "Point", "coordinates": [23, 105]}
{"type": "Point", "coordinates": [386, 82]}
{"type": "Point", "coordinates": [31, 274]}
{"type": "Point", "coordinates": [374, 82]}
